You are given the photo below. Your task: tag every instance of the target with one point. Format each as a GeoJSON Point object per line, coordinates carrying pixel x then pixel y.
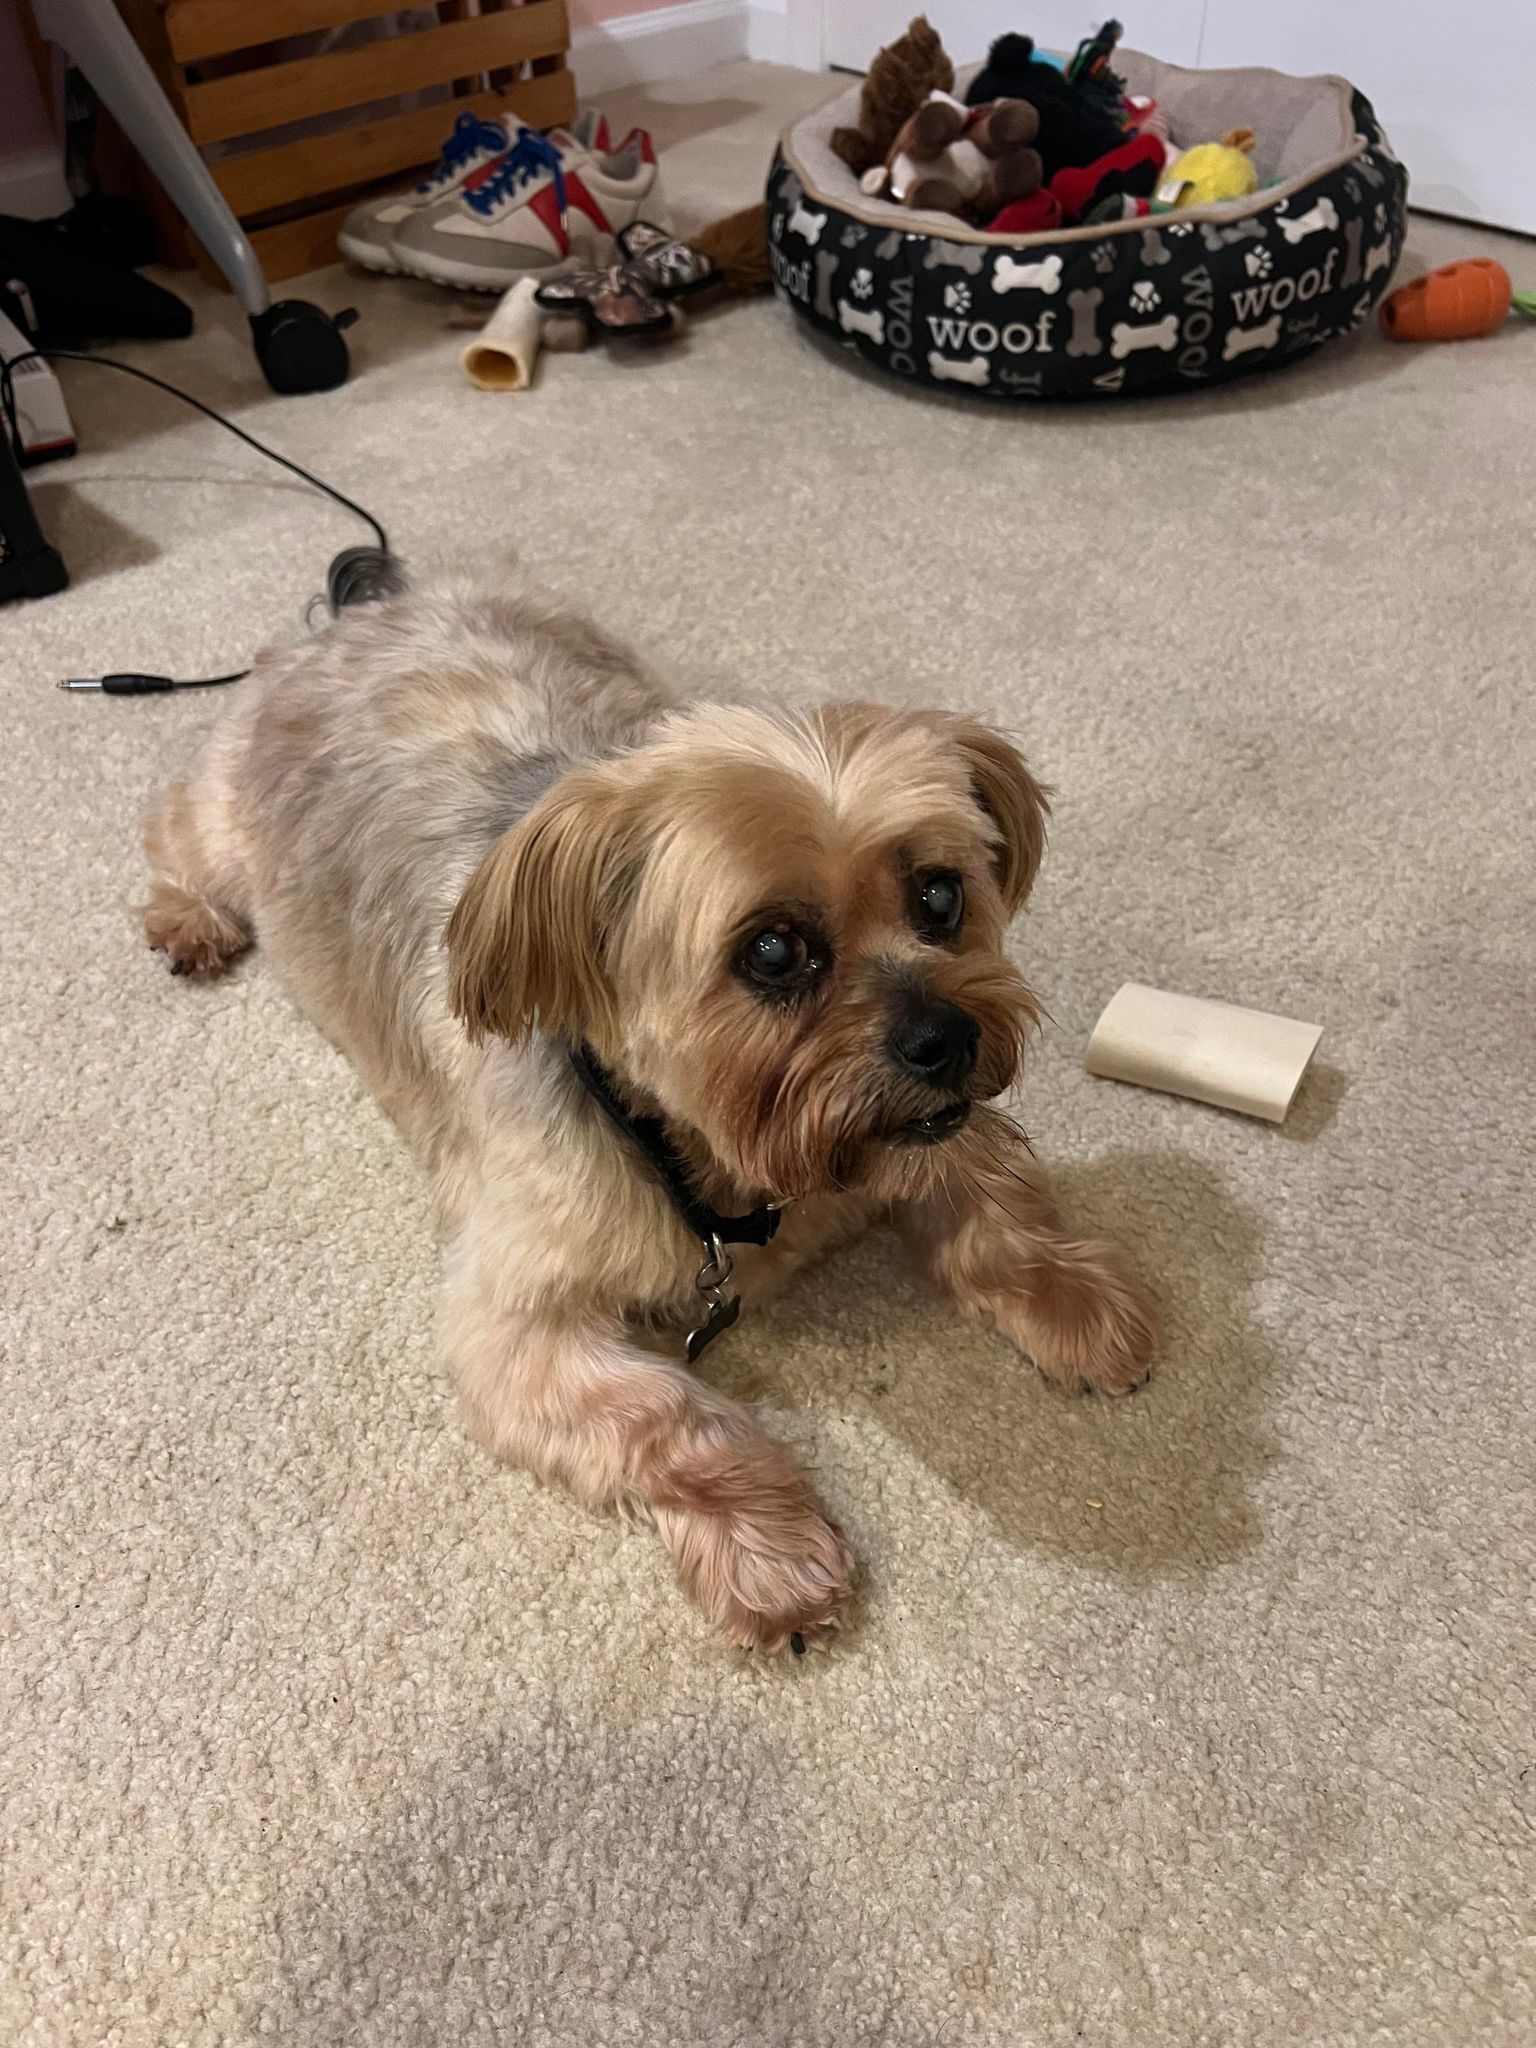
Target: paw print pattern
{"type": "Point", "coordinates": [862, 283]}
{"type": "Point", "coordinates": [1180, 227]}
{"type": "Point", "coordinates": [852, 235]}
{"type": "Point", "coordinates": [957, 297]}
{"type": "Point", "coordinates": [1144, 296]}
{"type": "Point", "coordinates": [1103, 257]}
{"type": "Point", "coordinates": [1258, 263]}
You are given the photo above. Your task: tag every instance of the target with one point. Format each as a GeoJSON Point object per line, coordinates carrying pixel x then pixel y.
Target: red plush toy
{"type": "Point", "coordinates": [1133, 168]}
{"type": "Point", "coordinates": [1036, 215]}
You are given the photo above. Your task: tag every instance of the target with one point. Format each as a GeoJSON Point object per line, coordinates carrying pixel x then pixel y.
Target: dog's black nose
{"type": "Point", "coordinates": [934, 1041]}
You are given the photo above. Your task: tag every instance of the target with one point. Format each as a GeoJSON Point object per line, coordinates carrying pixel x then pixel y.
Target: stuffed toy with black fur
{"type": "Point", "coordinates": [1073, 130]}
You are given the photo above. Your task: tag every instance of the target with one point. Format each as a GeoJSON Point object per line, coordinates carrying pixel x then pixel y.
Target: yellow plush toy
{"type": "Point", "coordinates": [1211, 171]}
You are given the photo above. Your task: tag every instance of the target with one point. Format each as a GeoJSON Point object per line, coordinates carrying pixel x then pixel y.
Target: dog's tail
{"type": "Point", "coordinates": [363, 576]}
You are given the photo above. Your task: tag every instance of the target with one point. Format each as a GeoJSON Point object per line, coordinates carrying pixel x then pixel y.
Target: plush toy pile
{"type": "Point", "coordinates": [1034, 145]}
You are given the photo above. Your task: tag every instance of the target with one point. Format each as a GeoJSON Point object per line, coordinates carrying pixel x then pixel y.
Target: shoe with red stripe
{"type": "Point", "coordinates": [540, 208]}
{"type": "Point", "coordinates": [476, 141]}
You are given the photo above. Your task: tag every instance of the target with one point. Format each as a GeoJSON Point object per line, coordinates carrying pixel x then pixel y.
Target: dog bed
{"type": "Point", "coordinates": [1171, 302]}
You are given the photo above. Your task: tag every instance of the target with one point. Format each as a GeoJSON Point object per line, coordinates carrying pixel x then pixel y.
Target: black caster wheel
{"type": "Point", "coordinates": [300, 347]}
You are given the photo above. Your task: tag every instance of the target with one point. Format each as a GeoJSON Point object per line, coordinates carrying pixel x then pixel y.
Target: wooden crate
{"type": "Point", "coordinates": [223, 67]}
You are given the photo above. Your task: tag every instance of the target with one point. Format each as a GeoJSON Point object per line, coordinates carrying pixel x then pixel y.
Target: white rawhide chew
{"type": "Point", "coordinates": [502, 355]}
{"type": "Point", "coordinates": [1296, 229]}
{"type": "Point", "coordinates": [957, 369]}
{"type": "Point", "coordinates": [1125, 339]}
{"type": "Point", "coordinates": [853, 320]}
{"type": "Point", "coordinates": [807, 224]}
{"type": "Point", "coordinates": [1242, 341]}
{"type": "Point", "coordinates": [1044, 276]}
{"type": "Point", "coordinates": [1213, 1052]}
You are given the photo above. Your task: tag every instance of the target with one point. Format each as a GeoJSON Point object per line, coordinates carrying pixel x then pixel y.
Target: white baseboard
{"type": "Point", "coordinates": [674, 42]}
{"type": "Point", "coordinates": [768, 34]}
{"type": "Point", "coordinates": [33, 185]}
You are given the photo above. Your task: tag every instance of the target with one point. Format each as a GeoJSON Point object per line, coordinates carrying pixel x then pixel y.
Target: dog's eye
{"type": "Point", "coordinates": [782, 959]}
{"type": "Point", "coordinates": [938, 904]}
{"type": "Point", "coordinates": [776, 956]}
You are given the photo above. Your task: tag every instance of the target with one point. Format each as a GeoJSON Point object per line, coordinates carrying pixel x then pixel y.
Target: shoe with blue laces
{"type": "Point", "coordinates": [547, 205]}
{"type": "Point", "coordinates": [477, 140]}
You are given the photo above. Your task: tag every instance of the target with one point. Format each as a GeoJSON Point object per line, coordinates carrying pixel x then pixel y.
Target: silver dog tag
{"type": "Point", "coordinates": [713, 1277]}
{"type": "Point", "coordinates": [722, 1314]}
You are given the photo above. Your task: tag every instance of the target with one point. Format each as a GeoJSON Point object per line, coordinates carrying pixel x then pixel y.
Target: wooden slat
{"type": "Point", "coordinates": [211, 28]}
{"type": "Point", "coordinates": [273, 94]}
{"type": "Point", "coordinates": [377, 149]}
{"type": "Point", "coordinates": [299, 245]}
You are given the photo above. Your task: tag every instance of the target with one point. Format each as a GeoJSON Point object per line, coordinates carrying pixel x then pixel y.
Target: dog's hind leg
{"type": "Point", "coordinates": [198, 913]}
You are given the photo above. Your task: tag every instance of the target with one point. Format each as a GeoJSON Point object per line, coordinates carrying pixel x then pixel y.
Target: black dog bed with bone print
{"type": "Point", "coordinates": [1171, 302]}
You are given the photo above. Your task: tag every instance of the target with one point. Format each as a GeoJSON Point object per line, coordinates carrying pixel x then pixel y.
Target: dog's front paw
{"type": "Point", "coordinates": [1085, 1324]}
{"type": "Point", "coordinates": [772, 1574]}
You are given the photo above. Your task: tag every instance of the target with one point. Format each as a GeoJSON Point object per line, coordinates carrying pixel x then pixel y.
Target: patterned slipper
{"type": "Point", "coordinates": [672, 269]}
{"type": "Point", "coordinates": [612, 301]}
{"type": "Point", "coordinates": [630, 298]}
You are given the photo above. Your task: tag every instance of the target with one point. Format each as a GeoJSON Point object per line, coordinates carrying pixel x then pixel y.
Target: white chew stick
{"type": "Point", "coordinates": [1215, 1052]}
{"type": "Point", "coordinates": [502, 355]}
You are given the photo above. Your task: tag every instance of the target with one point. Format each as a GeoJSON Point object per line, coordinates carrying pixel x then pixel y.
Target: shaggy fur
{"type": "Point", "coordinates": [470, 830]}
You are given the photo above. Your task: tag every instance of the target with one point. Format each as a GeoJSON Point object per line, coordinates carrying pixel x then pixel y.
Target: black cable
{"type": "Point", "coordinates": [133, 685]}
{"type": "Point", "coordinates": [377, 575]}
{"type": "Point", "coordinates": [79, 355]}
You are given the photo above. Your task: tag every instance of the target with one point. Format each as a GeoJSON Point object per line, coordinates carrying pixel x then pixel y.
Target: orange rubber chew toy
{"type": "Point", "coordinates": [1454, 304]}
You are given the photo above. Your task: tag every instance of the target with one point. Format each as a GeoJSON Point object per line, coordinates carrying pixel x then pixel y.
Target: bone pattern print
{"type": "Point", "coordinates": [1316, 220]}
{"type": "Point", "coordinates": [1215, 237]}
{"type": "Point", "coordinates": [853, 320]}
{"type": "Point", "coordinates": [1354, 238]}
{"type": "Point", "coordinates": [1015, 321]}
{"type": "Point", "coordinates": [954, 256]}
{"type": "Point", "coordinates": [826, 270]}
{"type": "Point", "coordinates": [857, 320]}
{"type": "Point", "coordinates": [1045, 276]}
{"type": "Point", "coordinates": [1242, 341]}
{"type": "Point", "coordinates": [1125, 340]}
{"type": "Point", "coordinates": [1084, 308]}
{"type": "Point", "coordinates": [951, 370]}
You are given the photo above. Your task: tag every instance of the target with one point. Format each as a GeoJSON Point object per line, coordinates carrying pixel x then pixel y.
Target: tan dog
{"type": "Point", "coordinates": [474, 834]}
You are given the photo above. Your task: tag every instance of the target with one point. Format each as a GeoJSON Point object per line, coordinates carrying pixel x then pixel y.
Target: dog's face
{"type": "Point", "coordinates": [786, 935]}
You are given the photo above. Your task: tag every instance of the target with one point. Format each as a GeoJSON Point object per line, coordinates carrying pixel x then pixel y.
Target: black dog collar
{"type": "Point", "coordinates": [713, 1230]}
{"type": "Point", "coordinates": [648, 1136]}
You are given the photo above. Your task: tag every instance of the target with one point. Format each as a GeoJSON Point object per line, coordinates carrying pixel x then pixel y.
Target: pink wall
{"type": "Point", "coordinates": [24, 121]}
{"type": "Point", "coordinates": [588, 13]}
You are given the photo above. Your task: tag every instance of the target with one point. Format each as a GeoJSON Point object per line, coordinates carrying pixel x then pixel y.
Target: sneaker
{"type": "Point", "coordinates": [537, 210]}
{"type": "Point", "coordinates": [476, 141]}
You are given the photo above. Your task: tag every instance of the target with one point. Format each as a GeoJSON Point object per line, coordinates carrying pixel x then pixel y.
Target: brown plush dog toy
{"type": "Point", "coordinates": [901, 77]}
{"type": "Point", "coordinates": [950, 158]}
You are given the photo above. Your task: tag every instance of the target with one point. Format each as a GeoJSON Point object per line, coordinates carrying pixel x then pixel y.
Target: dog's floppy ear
{"type": "Point", "coordinates": [1016, 803]}
{"type": "Point", "coordinates": [526, 942]}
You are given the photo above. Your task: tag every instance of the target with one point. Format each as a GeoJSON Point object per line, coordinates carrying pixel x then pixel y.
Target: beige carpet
{"type": "Point", "coordinates": [1200, 1719]}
